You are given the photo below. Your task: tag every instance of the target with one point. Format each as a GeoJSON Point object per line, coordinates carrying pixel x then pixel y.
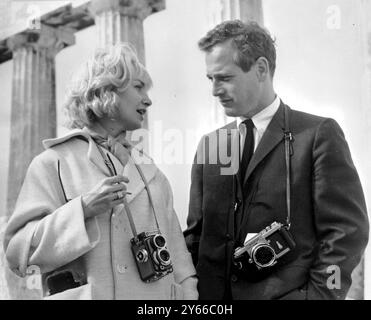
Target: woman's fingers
{"type": "Point", "coordinates": [107, 194]}
{"type": "Point", "coordinates": [116, 179]}
{"type": "Point", "coordinates": [112, 184]}
{"type": "Point", "coordinates": [118, 195]}
{"type": "Point", "coordinates": [107, 190]}
{"type": "Point", "coordinates": [116, 202]}
{"type": "Point", "coordinates": [117, 187]}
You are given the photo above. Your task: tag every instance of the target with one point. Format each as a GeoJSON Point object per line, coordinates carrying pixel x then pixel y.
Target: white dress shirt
{"type": "Point", "coordinates": [261, 121]}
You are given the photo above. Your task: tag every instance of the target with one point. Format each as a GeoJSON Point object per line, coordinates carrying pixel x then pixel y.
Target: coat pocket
{"type": "Point", "coordinates": [80, 293]}
{"type": "Point", "coordinates": [176, 292]}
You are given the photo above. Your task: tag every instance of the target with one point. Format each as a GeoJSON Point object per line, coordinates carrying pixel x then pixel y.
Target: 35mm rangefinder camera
{"type": "Point", "coordinates": [151, 255]}
{"type": "Point", "coordinates": [264, 249]}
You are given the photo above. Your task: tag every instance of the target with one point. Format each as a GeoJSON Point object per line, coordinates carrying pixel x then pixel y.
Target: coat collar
{"type": "Point", "coordinates": [271, 137]}
{"type": "Point", "coordinates": [143, 161]}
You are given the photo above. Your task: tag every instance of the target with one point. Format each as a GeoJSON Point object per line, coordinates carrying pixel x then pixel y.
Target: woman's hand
{"type": "Point", "coordinates": [104, 196]}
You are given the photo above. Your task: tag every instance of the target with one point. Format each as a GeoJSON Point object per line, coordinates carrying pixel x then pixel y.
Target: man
{"type": "Point", "coordinates": [295, 170]}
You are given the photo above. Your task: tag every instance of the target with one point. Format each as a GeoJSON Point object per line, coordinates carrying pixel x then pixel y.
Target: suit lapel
{"type": "Point", "coordinates": [272, 136]}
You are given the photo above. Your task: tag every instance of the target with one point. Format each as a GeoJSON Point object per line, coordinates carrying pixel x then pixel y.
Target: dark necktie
{"type": "Point", "coordinates": [248, 148]}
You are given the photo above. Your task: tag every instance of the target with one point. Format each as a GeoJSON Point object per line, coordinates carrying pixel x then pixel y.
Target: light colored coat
{"type": "Point", "coordinates": [50, 233]}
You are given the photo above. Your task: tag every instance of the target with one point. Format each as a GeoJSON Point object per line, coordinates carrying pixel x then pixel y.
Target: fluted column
{"type": "Point", "coordinates": [122, 20]}
{"type": "Point", "coordinates": [33, 111]}
{"type": "Point", "coordinates": [250, 10]}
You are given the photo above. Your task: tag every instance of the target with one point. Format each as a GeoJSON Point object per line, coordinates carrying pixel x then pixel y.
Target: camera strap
{"type": "Point", "coordinates": [288, 153]}
{"type": "Point", "coordinates": [108, 162]}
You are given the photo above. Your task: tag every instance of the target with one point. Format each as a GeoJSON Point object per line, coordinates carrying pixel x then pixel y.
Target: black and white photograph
{"type": "Point", "coordinates": [193, 150]}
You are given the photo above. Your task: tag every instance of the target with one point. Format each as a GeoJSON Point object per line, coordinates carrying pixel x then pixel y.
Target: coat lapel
{"type": "Point", "coordinates": [95, 157]}
{"type": "Point", "coordinates": [136, 184]}
{"type": "Point", "coordinates": [272, 136]}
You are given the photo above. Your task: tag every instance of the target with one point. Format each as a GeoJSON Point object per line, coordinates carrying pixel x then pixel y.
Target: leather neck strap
{"type": "Point", "coordinates": [112, 170]}
{"type": "Point", "coordinates": [288, 153]}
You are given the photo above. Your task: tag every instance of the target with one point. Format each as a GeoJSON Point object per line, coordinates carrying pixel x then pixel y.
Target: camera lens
{"type": "Point", "coordinates": [159, 241]}
{"type": "Point", "coordinates": [263, 255]}
{"type": "Point", "coordinates": [162, 257]}
{"type": "Point", "coordinates": [142, 255]}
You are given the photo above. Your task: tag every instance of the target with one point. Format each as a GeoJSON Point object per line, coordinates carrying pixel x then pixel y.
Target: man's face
{"type": "Point", "coordinates": [239, 92]}
{"type": "Point", "coordinates": [133, 104]}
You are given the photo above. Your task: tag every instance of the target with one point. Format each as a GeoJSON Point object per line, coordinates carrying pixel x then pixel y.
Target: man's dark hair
{"type": "Point", "coordinates": [250, 40]}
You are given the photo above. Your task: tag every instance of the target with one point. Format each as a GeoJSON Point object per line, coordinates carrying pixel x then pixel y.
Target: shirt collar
{"type": "Point", "coordinates": [262, 119]}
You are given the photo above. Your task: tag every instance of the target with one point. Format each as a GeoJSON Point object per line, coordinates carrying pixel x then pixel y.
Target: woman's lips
{"type": "Point", "coordinates": [141, 113]}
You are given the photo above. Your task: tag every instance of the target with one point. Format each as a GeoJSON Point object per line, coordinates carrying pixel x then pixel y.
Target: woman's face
{"type": "Point", "coordinates": [134, 102]}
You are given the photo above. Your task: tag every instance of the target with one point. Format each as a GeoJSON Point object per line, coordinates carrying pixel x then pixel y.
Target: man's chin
{"type": "Point", "coordinates": [230, 112]}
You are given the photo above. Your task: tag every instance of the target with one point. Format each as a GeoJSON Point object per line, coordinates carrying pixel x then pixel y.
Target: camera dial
{"type": "Point", "coordinates": [263, 255]}
{"type": "Point", "coordinates": [142, 255]}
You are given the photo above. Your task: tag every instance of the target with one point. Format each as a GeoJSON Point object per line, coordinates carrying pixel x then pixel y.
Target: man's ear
{"type": "Point", "coordinates": [262, 68]}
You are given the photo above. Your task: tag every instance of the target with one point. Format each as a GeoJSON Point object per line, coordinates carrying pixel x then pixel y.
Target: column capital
{"type": "Point", "coordinates": [53, 39]}
{"type": "Point", "coordinates": [132, 8]}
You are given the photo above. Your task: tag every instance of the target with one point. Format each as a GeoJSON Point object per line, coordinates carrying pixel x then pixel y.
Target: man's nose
{"type": "Point", "coordinates": [217, 90]}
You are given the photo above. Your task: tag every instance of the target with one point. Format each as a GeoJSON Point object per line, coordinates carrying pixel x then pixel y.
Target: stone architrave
{"type": "Point", "coordinates": [33, 112]}
{"type": "Point", "coordinates": [122, 21]}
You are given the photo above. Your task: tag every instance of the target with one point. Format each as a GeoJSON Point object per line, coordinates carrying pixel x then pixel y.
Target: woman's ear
{"type": "Point", "coordinates": [262, 68]}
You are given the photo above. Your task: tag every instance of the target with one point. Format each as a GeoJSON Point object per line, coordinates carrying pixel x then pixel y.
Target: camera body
{"type": "Point", "coordinates": [264, 249]}
{"type": "Point", "coordinates": [151, 255]}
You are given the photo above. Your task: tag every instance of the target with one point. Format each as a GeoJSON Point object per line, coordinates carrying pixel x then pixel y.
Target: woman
{"type": "Point", "coordinates": [85, 197]}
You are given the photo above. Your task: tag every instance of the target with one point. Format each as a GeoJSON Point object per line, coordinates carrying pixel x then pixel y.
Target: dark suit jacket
{"type": "Point", "coordinates": [329, 218]}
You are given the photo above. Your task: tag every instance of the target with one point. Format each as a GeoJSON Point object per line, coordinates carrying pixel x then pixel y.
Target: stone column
{"type": "Point", "coordinates": [122, 21]}
{"type": "Point", "coordinates": [33, 114]}
{"type": "Point", "coordinates": [244, 10]}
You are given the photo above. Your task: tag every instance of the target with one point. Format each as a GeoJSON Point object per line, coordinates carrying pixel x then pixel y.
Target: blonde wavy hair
{"type": "Point", "coordinates": [93, 92]}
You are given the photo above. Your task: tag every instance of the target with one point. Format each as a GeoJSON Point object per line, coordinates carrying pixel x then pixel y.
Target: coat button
{"type": "Point", "coordinates": [121, 268]}
{"type": "Point", "coordinates": [234, 278]}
